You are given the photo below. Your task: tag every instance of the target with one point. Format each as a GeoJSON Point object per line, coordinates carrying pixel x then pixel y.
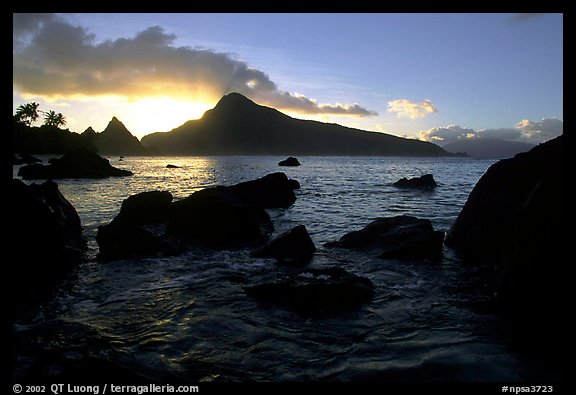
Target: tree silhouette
{"type": "Point", "coordinates": [51, 118]}
{"type": "Point", "coordinates": [27, 113]}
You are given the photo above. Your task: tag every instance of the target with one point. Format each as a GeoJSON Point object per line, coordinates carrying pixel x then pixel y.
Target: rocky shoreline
{"type": "Point", "coordinates": [491, 229]}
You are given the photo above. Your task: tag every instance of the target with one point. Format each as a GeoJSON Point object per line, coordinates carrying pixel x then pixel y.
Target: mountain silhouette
{"type": "Point", "coordinates": [488, 148]}
{"type": "Point", "coordinates": [116, 139]}
{"type": "Point", "coordinates": [238, 126]}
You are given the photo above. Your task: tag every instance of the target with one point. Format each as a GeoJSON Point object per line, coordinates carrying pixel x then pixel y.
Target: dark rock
{"type": "Point", "coordinates": [425, 182]}
{"type": "Point", "coordinates": [214, 219]}
{"type": "Point", "coordinates": [150, 223]}
{"type": "Point", "coordinates": [316, 290]}
{"type": "Point", "coordinates": [169, 166]}
{"type": "Point", "coordinates": [75, 164]}
{"type": "Point", "coordinates": [402, 237]}
{"type": "Point", "coordinates": [514, 223]}
{"type": "Point", "coordinates": [44, 238]}
{"type": "Point", "coordinates": [294, 245]}
{"type": "Point", "coordinates": [138, 229]}
{"type": "Point", "coordinates": [294, 184]}
{"type": "Point", "coordinates": [290, 161]}
{"type": "Point", "coordinates": [274, 190]}
{"type": "Point", "coordinates": [232, 214]}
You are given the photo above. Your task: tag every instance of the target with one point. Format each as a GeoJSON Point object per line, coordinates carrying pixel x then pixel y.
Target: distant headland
{"type": "Point", "coordinates": [238, 126]}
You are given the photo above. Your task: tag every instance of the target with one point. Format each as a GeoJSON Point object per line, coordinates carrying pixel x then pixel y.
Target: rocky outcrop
{"type": "Point", "coordinates": [274, 190]}
{"type": "Point", "coordinates": [75, 164]}
{"type": "Point", "coordinates": [44, 238]}
{"type": "Point", "coordinates": [232, 214]}
{"type": "Point", "coordinates": [138, 229]}
{"type": "Point", "coordinates": [425, 182]}
{"type": "Point", "coordinates": [401, 237]}
{"type": "Point", "coordinates": [290, 161]}
{"type": "Point", "coordinates": [514, 223]}
{"type": "Point", "coordinates": [150, 223]}
{"type": "Point", "coordinates": [315, 290]}
{"type": "Point", "coordinates": [214, 219]}
{"type": "Point", "coordinates": [292, 246]}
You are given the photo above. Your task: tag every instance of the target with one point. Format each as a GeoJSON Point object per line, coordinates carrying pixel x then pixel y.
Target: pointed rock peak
{"type": "Point", "coordinates": [89, 130]}
{"type": "Point", "coordinates": [115, 126]}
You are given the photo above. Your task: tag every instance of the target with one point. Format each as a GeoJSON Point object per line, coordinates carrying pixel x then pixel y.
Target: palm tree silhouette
{"type": "Point", "coordinates": [27, 113]}
{"type": "Point", "coordinates": [54, 119]}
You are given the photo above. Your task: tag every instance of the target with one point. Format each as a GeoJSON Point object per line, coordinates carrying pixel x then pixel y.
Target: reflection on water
{"type": "Point", "coordinates": [187, 317]}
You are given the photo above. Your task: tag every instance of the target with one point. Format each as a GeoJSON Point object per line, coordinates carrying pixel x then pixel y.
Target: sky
{"type": "Point", "coordinates": [430, 76]}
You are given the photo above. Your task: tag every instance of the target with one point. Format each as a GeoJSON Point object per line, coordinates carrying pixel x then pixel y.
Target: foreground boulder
{"type": "Point", "coordinates": [273, 190]}
{"type": "Point", "coordinates": [402, 237]}
{"type": "Point", "coordinates": [294, 245]}
{"type": "Point", "coordinates": [149, 223]}
{"type": "Point", "coordinates": [44, 238]}
{"type": "Point", "coordinates": [214, 219]}
{"type": "Point", "coordinates": [315, 290]}
{"type": "Point", "coordinates": [425, 182]}
{"type": "Point", "coordinates": [514, 224]}
{"type": "Point", "coordinates": [138, 229]}
{"type": "Point", "coordinates": [75, 164]}
{"type": "Point", "coordinates": [290, 161]}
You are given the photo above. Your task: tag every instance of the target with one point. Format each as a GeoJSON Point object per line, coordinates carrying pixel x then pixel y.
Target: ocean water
{"type": "Point", "coordinates": [188, 318]}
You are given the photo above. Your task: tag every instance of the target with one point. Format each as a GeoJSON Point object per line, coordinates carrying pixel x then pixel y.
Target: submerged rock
{"type": "Point", "coordinates": [75, 164]}
{"type": "Point", "coordinates": [402, 237]}
{"type": "Point", "coordinates": [425, 182]}
{"type": "Point", "coordinates": [45, 238]}
{"type": "Point", "coordinates": [294, 245]}
{"type": "Point", "coordinates": [315, 290]}
{"type": "Point", "coordinates": [514, 223]}
{"type": "Point", "coordinates": [169, 166]}
{"type": "Point", "coordinates": [290, 161]}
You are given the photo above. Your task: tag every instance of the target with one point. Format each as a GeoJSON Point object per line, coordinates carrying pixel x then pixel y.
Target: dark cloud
{"type": "Point", "coordinates": [526, 131]}
{"type": "Point", "coordinates": [53, 58]}
{"type": "Point", "coordinates": [526, 16]}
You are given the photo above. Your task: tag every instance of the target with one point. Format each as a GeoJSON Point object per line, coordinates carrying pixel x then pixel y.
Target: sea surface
{"type": "Point", "coordinates": [188, 318]}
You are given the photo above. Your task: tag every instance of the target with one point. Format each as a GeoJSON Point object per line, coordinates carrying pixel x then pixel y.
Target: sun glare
{"type": "Point", "coordinates": [161, 114]}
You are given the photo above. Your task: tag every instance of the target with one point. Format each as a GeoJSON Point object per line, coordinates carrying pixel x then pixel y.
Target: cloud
{"type": "Point", "coordinates": [54, 59]}
{"type": "Point", "coordinates": [545, 129]}
{"type": "Point", "coordinates": [525, 131]}
{"type": "Point", "coordinates": [407, 109]}
{"type": "Point", "coordinates": [445, 135]}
